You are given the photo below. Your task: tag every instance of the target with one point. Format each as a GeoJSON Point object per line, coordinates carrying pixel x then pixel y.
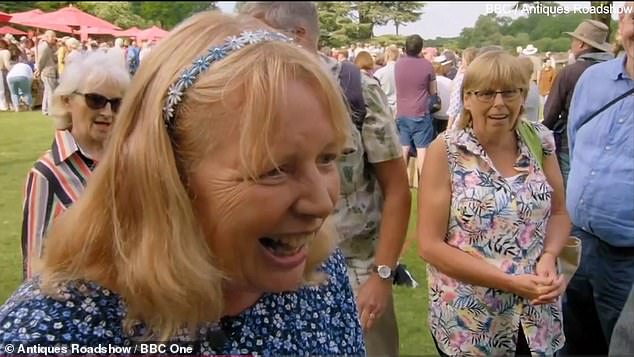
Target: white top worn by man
{"type": "Point", "coordinates": [373, 180]}
{"type": "Point", "coordinates": [385, 75]}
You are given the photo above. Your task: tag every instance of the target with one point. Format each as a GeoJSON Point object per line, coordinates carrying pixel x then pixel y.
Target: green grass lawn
{"type": "Point", "coordinates": [25, 136]}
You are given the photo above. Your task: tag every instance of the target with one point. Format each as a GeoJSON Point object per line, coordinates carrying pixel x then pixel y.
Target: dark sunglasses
{"type": "Point", "coordinates": [97, 101]}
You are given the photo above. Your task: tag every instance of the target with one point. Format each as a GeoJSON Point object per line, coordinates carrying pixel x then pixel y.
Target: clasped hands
{"type": "Point", "coordinates": [545, 286]}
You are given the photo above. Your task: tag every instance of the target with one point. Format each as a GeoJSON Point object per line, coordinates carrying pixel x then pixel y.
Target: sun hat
{"type": "Point", "coordinates": [442, 60]}
{"type": "Point", "coordinates": [594, 33]}
{"type": "Point", "coordinates": [529, 50]}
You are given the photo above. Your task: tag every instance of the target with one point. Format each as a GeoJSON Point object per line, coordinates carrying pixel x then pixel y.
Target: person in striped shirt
{"type": "Point", "coordinates": [84, 107]}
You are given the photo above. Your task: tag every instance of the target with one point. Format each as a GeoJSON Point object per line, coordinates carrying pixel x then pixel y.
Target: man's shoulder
{"type": "Point", "coordinates": [409, 60]}
{"type": "Point", "coordinates": [413, 66]}
{"type": "Point", "coordinates": [382, 71]}
{"type": "Point", "coordinates": [331, 64]}
{"type": "Point", "coordinates": [596, 75]}
{"type": "Point", "coordinates": [368, 82]}
{"type": "Point", "coordinates": [602, 70]}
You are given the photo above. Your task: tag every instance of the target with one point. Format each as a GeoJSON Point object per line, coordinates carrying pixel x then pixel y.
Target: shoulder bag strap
{"type": "Point", "coordinates": [611, 103]}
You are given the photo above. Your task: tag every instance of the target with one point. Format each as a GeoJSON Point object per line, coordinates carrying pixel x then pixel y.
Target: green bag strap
{"type": "Point", "coordinates": [531, 138]}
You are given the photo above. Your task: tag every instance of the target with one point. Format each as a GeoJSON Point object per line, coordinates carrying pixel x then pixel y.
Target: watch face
{"type": "Point", "coordinates": [384, 271]}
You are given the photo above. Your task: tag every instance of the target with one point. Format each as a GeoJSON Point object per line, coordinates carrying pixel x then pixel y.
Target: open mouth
{"type": "Point", "coordinates": [498, 116]}
{"type": "Point", "coordinates": [287, 245]}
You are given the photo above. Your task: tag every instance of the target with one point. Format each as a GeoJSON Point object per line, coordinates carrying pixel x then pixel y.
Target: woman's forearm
{"type": "Point", "coordinates": [557, 233]}
{"type": "Point", "coordinates": [465, 267]}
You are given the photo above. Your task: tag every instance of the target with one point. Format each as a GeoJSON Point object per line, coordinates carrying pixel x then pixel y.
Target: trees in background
{"type": "Point", "coordinates": [546, 32]}
{"type": "Point", "coordinates": [343, 22]}
{"type": "Point", "coordinates": [346, 22]}
{"type": "Point", "coordinates": [169, 14]}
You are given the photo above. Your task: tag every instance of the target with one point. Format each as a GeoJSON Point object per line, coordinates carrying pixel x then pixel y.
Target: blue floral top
{"type": "Point", "coordinates": [318, 320]}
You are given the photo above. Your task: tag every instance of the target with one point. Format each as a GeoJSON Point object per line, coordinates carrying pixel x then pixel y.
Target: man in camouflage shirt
{"type": "Point", "coordinates": [373, 180]}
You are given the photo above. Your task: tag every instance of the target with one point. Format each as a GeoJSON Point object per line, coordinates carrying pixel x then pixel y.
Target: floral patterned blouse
{"type": "Point", "coordinates": [316, 320]}
{"type": "Point", "coordinates": [503, 221]}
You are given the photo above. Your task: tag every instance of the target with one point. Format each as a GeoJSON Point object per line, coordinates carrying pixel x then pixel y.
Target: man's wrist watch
{"type": "Point", "coordinates": [384, 271]}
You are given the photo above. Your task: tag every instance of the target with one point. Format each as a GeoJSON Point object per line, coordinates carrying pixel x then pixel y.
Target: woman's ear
{"type": "Point", "coordinates": [66, 102]}
{"type": "Point", "coordinates": [466, 101]}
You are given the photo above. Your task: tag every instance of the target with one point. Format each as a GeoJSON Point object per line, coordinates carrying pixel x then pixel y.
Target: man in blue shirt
{"type": "Point", "coordinates": [133, 58]}
{"type": "Point", "coordinates": [600, 199]}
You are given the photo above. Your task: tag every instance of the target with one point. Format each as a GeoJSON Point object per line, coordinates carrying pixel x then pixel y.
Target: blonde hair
{"type": "Point", "coordinates": [135, 230]}
{"type": "Point", "coordinates": [440, 69]}
{"type": "Point", "coordinates": [493, 70]}
{"type": "Point", "coordinates": [468, 55]}
{"type": "Point", "coordinates": [73, 43]}
{"type": "Point", "coordinates": [392, 53]}
{"type": "Point", "coordinates": [527, 65]}
{"type": "Point", "coordinates": [97, 67]}
{"type": "Point", "coordinates": [364, 61]}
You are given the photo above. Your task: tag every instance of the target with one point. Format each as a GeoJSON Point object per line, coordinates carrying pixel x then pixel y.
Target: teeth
{"type": "Point", "coordinates": [290, 244]}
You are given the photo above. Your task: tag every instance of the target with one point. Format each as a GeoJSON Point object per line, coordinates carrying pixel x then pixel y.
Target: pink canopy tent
{"type": "Point", "coordinates": [131, 32]}
{"type": "Point", "coordinates": [72, 16]}
{"type": "Point", "coordinates": [4, 17]}
{"type": "Point", "coordinates": [29, 19]}
{"type": "Point", "coordinates": [98, 31]}
{"type": "Point", "coordinates": [25, 15]}
{"type": "Point", "coordinates": [10, 30]}
{"type": "Point", "coordinates": [153, 33]}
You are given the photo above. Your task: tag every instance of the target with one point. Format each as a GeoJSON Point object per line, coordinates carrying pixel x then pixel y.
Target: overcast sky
{"type": "Point", "coordinates": [448, 18]}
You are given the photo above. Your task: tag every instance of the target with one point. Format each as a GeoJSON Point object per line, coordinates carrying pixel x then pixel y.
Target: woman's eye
{"type": "Point", "coordinates": [276, 175]}
{"type": "Point", "coordinates": [277, 172]}
{"type": "Point", "coordinates": [327, 159]}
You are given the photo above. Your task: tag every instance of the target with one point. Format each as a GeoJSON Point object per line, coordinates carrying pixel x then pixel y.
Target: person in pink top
{"type": "Point", "coordinates": [415, 82]}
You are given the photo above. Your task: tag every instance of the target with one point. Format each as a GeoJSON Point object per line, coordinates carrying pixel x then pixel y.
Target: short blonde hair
{"type": "Point", "coordinates": [492, 70]}
{"type": "Point", "coordinates": [135, 229]}
{"type": "Point", "coordinates": [73, 43]}
{"type": "Point", "coordinates": [97, 67]}
{"type": "Point", "coordinates": [392, 53]}
{"type": "Point", "coordinates": [468, 55]}
{"type": "Point", "coordinates": [527, 65]}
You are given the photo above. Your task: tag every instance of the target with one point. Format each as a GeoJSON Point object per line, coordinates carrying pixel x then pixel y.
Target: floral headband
{"type": "Point", "coordinates": [215, 53]}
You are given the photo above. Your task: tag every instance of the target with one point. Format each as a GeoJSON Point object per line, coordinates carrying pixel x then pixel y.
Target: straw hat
{"type": "Point", "coordinates": [442, 60]}
{"type": "Point", "coordinates": [594, 33]}
{"type": "Point", "coordinates": [529, 50]}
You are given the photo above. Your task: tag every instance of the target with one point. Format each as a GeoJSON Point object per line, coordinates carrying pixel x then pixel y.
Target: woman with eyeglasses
{"type": "Point", "coordinates": [492, 222]}
{"type": "Point", "coordinates": [85, 105]}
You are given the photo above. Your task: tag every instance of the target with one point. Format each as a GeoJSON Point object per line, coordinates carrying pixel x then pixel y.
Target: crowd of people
{"type": "Point", "coordinates": [30, 73]}
{"type": "Point", "coordinates": [243, 191]}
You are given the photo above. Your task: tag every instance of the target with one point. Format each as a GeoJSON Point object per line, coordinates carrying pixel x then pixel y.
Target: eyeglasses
{"type": "Point", "coordinates": [487, 96]}
{"type": "Point", "coordinates": [97, 101]}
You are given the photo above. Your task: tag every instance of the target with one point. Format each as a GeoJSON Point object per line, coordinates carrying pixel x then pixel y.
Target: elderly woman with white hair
{"type": "Point", "coordinates": [74, 49]}
{"type": "Point", "coordinates": [85, 105]}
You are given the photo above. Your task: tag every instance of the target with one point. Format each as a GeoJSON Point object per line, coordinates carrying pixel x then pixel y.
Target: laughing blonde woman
{"type": "Point", "coordinates": [204, 224]}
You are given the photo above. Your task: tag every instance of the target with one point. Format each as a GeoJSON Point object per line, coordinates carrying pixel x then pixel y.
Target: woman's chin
{"type": "Point", "coordinates": [277, 282]}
